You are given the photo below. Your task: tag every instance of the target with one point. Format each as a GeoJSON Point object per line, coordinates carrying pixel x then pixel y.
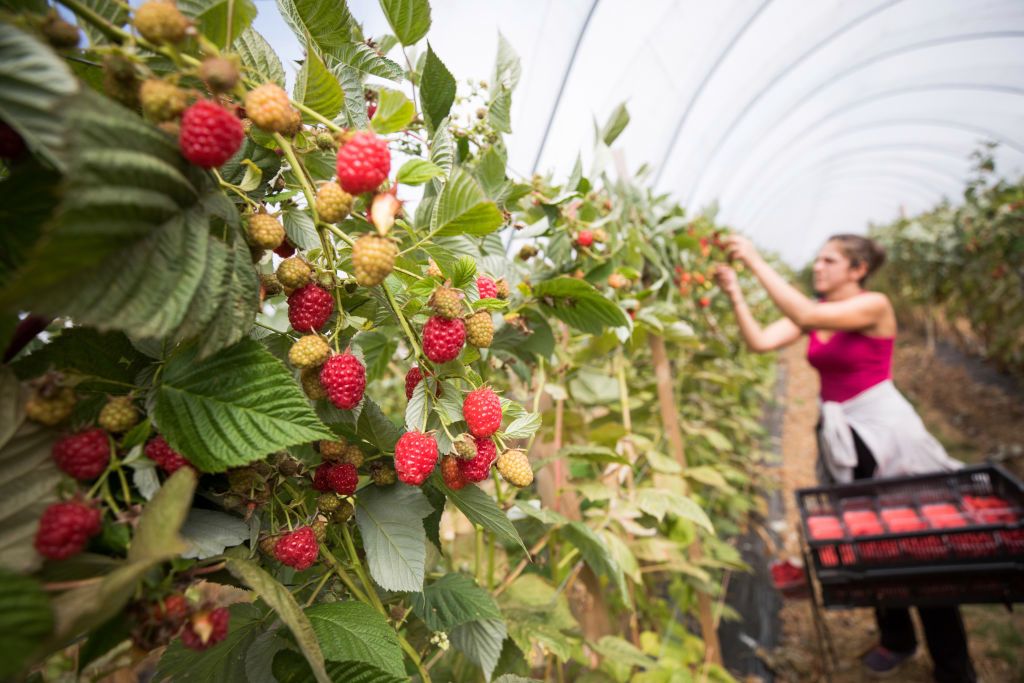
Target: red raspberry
{"type": "Point", "coordinates": [482, 411]}
{"type": "Point", "coordinates": [415, 457]}
{"type": "Point", "coordinates": [412, 378]}
{"type": "Point", "coordinates": [479, 468]}
{"type": "Point", "coordinates": [286, 249]}
{"type": "Point", "coordinates": [173, 610]}
{"type": "Point", "coordinates": [584, 238]}
{"type": "Point", "coordinates": [451, 473]}
{"type": "Point", "coordinates": [206, 629]}
{"type": "Point", "coordinates": [210, 135]}
{"type": "Point", "coordinates": [321, 477]}
{"type": "Point", "coordinates": [363, 163]}
{"type": "Point", "coordinates": [83, 455]}
{"type": "Point", "coordinates": [486, 287]}
{"type": "Point", "coordinates": [169, 460]}
{"type": "Point", "coordinates": [297, 549]}
{"type": "Point", "coordinates": [309, 308]}
{"type": "Point", "coordinates": [65, 528]}
{"type": "Point", "coordinates": [443, 339]}
{"type": "Point", "coordinates": [344, 379]}
{"type": "Point", "coordinates": [343, 478]}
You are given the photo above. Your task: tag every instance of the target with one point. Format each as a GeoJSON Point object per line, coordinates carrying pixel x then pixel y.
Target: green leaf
{"type": "Point", "coordinates": [326, 22]}
{"type": "Point", "coordinates": [25, 618]}
{"type": "Point", "coordinates": [597, 556]}
{"type": "Point", "coordinates": [351, 82]}
{"type": "Point", "coordinates": [541, 514]}
{"type": "Point", "coordinates": [224, 662]}
{"type": "Point", "coordinates": [442, 148]}
{"type": "Point", "coordinates": [415, 411]}
{"type": "Point", "coordinates": [617, 122]}
{"type": "Point", "coordinates": [591, 453]}
{"type": "Point", "coordinates": [220, 20]}
{"type": "Point", "coordinates": [156, 535]}
{"type": "Point", "coordinates": [417, 172]}
{"type": "Point", "coordinates": [391, 523]}
{"type": "Point", "coordinates": [12, 412]}
{"type": "Point", "coordinates": [364, 59]}
{"type": "Point", "coordinates": [619, 650]}
{"type": "Point", "coordinates": [299, 227]}
{"type": "Point", "coordinates": [289, 667]}
{"type": "Point", "coordinates": [437, 90]}
{"type": "Point", "coordinates": [394, 112]}
{"type": "Point", "coordinates": [709, 476]}
{"type": "Point", "coordinates": [481, 642]}
{"type": "Point", "coordinates": [107, 360]}
{"type": "Point", "coordinates": [659, 502]}
{"type": "Point", "coordinates": [232, 408]}
{"type": "Point", "coordinates": [209, 533]}
{"type": "Point", "coordinates": [354, 631]}
{"type": "Point", "coordinates": [28, 483]}
{"type": "Point", "coordinates": [452, 600]}
{"type": "Point", "coordinates": [35, 85]}
{"type": "Point", "coordinates": [536, 613]}
{"type": "Point", "coordinates": [375, 427]}
{"type": "Point", "coordinates": [499, 112]}
{"type": "Point", "coordinates": [259, 58]}
{"type": "Point", "coordinates": [378, 348]}
{"type": "Point", "coordinates": [507, 67]}
{"type": "Point", "coordinates": [463, 208]}
{"type": "Point", "coordinates": [523, 427]}
{"type": "Point", "coordinates": [317, 88]}
{"type": "Point", "coordinates": [38, 189]}
{"type": "Point", "coordinates": [409, 19]}
{"type": "Point", "coordinates": [112, 11]}
{"type": "Point", "coordinates": [578, 304]}
{"type": "Point", "coordinates": [481, 509]}
{"type": "Point", "coordinates": [281, 601]}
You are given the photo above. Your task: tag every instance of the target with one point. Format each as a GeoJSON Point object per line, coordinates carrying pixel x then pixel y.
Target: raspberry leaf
{"type": "Point", "coordinates": [289, 667]}
{"type": "Point", "coordinates": [355, 101]}
{"type": "Point", "coordinates": [462, 208]}
{"type": "Point", "coordinates": [257, 55]}
{"type": "Point", "coordinates": [354, 631]}
{"type": "Point", "coordinates": [596, 555]}
{"type": "Point", "coordinates": [523, 427]}
{"type": "Point", "coordinates": [209, 533]}
{"type": "Point", "coordinates": [220, 20]}
{"type": "Point", "coordinates": [394, 112]}
{"type": "Point", "coordinates": [452, 600]}
{"type": "Point", "coordinates": [481, 642]}
{"type": "Point", "coordinates": [391, 524]}
{"type": "Point", "coordinates": [482, 509]}
{"type": "Point", "coordinates": [578, 304]}
{"type": "Point", "coordinates": [28, 484]}
{"type": "Point", "coordinates": [25, 618]}
{"type": "Point", "coordinates": [326, 23]}
{"type": "Point", "coordinates": [417, 172]}
{"type": "Point", "coordinates": [409, 19]}
{"type": "Point", "coordinates": [227, 661]}
{"type": "Point", "coordinates": [317, 88]}
{"type": "Point", "coordinates": [232, 408]}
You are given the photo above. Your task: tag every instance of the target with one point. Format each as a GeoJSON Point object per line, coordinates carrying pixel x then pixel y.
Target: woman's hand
{"type": "Point", "coordinates": [741, 248]}
{"type": "Point", "coordinates": [727, 280]}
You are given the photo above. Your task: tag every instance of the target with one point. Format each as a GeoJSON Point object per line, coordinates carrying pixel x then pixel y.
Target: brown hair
{"type": "Point", "coordinates": [860, 249]}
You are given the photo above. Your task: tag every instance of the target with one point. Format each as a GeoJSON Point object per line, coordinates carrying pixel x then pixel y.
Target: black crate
{"type": "Point", "coordinates": [919, 523]}
{"type": "Point", "coordinates": [969, 586]}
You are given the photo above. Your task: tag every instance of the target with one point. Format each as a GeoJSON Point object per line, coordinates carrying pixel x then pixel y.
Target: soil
{"type": "Point", "coordinates": [978, 416]}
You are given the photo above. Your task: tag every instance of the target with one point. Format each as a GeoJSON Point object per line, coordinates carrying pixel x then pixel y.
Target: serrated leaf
{"type": "Point", "coordinates": [326, 22]}
{"type": "Point", "coordinates": [35, 84]}
{"type": "Point", "coordinates": [299, 227]}
{"type": "Point", "coordinates": [145, 479]}
{"type": "Point", "coordinates": [224, 662]}
{"type": "Point", "coordinates": [378, 349]}
{"type": "Point", "coordinates": [111, 10]}
{"type": "Point", "coordinates": [394, 112]}
{"type": "Point", "coordinates": [662, 463]}
{"type": "Point", "coordinates": [351, 82]}
{"type": "Point", "coordinates": [541, 514]}
{"type": "Point", "coordinates": [289, 667]}
{"type": "Point", "coordinates": [317, 88]}
{"type": "Point", "coordinates": [592, 453]}
{"type": "Point", "coordinates": [409, 19]}
{"type": "Point", "coordinates": [375, 427]}
{"type": "Point", "coordinates": [618, 650]}
{"type": "Point", "coordinates": [12, 411]}
{"type": "Point", "coordinates": [25, 618]}
{"type": "Point", "coordinates": [578, 304]}
{"type": "Point", "coordinates": [442, 148]}
{"type": "Point", "coordinates": [281, 601]}
{"type": "Point", "coordinates": [258, 57]}
{"type": "Point", "coordinates": [708, 476]}
{"type": "Point", "coordinates": [595, 554]}
{"type": "Point", "coordinates": [417, 172]}
{"type": "Point", "coordinates": [232, 408]}
{"type": "Point", "coordinates": [108, 361]}
{"type": "Point", "coordinates": [537, 613]}
{"type": "Point", "coordinates": [617, 122]}
{"type": "Point", "coordinates": [481, 642]}
{"type": "Point", "coordinates": [499, 112]}
{"type": "Point", "coordinates": [481, 509]}
{"type": "Point", "coordinates": [28, 483]}
{"type": "Point", "coordinates": [209, 533]}
{"type": "Point", "coordinates": [416, 410]}
{"type": "Point", "coordinates": [507, 67]}
{"type": "Point", "coordinates": [452, 600]}
{"type": "Point", "coordinates": [220, 20]}
{"type": "Point", "coordinates": [659, 502]}
{"type": "Point", "coordinates": [437, 90]}
{"type": "Point", "coordinates": [354, 631]}
{"type": "Point", "coordinates": [463, 208]}
{"type": "Point", "coordinates": [391, 523]}
{"type": "Point", "coordinates": [523, 427]}
{"type": "Point", "coordinates": [364, 59]}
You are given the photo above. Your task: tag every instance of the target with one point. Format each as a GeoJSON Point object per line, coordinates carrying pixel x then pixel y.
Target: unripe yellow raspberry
{"type": "Point", "coordinates": [268, 107]}
{"type": "Point", "coordinates": [118, 415]}
{"type": "Point", "coordinates": [373, 258]}
{"type": "Point", "coordinates": [294, 273]}
{"type": "Point", "coordinates": [332, 450]}
{"type": "Point", "coordinates": [333, 204]}
{"type": "Point", "coordinates": [51, 410]}
{"type": "Point", "coordinates": [265, 231]}
{"type": "Point", "coordinates": [309, 352]}
{"type": "Point", "coordinates": [159, 21]}
{"type": "Point", "coordinates": [310, 378]}
{"type": "Point", "coordinates": [515, 468]}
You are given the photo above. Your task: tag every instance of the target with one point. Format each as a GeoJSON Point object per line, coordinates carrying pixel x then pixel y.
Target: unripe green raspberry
{"type": "Point", "coordinates": [447, 302]}
{"type": "Point", "coordinates": [159, 21]}
{"type": "Point", "coordinates": [465, 447]}
{"type": "Point", "coordinates": [309, 351]}
{"type": "Point", "coordinates": [118, 415]}
{"type": "Point", "coordinates": [333, 450]}
{"type": "Point", "coordinates": [265, 231]}
{"type": "Point", "coordinates": [220, 73]}
{"type": "Point", "coordinates": [320, 529]}
{"type": "Point", "coordinates": [325, 141]}
{"type": "Point", "coordinates": [373, 258]}
{"type": "Point", "coordinates": [333, 204]}
{"type": "Point", "coordinates": [53, 409]}
{"type": "Point", "coordinates": [353, 455]}
{"type": "Point", "coordinates": [294, 273]}
{"type": "Point", "coordinates": [480, 329]}
{"type": "Point", "coordinates": [328, 502]}
{"type": "Point", "coordinates": [271, 285]}
{"type": "Point", "coordinates": [343, 513]}
{"type": "Point", "coordinates": [310, 378]}
{"type": "Point", "coordinates": [161, 101]}
{"type": "Point", "coordinates": [382, 475]}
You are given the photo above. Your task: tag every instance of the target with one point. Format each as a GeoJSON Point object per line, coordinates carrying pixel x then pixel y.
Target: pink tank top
{"type": "Point", "coordinates": [849, 363]}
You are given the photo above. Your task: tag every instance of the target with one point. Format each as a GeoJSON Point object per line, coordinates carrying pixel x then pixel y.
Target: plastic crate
{"type": "Point", "coordinates": [968, 586]}
{"type": "Point", "coordinates": [972, 518]}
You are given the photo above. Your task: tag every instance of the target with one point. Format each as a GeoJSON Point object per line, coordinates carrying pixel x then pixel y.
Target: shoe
{"type": "Point", "coordinates": [881, 662]}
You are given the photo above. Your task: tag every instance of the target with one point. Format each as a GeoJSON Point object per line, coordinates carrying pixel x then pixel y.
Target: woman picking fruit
{"type": "Point", "coordinates": [867, 427]}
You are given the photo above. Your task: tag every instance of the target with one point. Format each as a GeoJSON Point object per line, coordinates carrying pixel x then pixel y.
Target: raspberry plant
{"type": "Point", "coordinates": [259, 437]}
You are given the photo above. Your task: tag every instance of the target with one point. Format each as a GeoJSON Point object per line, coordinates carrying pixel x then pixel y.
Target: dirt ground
{"type": "Point", "coordinates": [976, 418]}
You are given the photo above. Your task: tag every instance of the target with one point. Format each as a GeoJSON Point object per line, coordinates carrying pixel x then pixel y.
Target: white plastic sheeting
{"type": "Point", "coordinates": [800, 117]}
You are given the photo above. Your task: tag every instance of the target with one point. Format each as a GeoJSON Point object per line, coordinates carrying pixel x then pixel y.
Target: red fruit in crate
{"type": "Point", "coordinates": [482, 411]}
{"type": "Point", "coordinates": [415, 457]}
{"type": "Point", "coordinates": [479, 468]}
{"type": "Point", "coordinates": [824, 527]}
{"type": "Point", "coordinates": [486, 287]}
{"type": "Point", "coordinates": [206, 629]}
{"type": "Point", "coordinates": [901, 520]}
{"type": "Point", "coordinates": [363, 163]}
{"type": "Point", "coordinates": [443, 339]}
{"type": "Point", "coordinates": [297, 549]}
{"type": "Point", "coordinates": [343, 377]}
{"type": "Point", "coordinates": [309, 308]}
{"type": "Point", "coordinates": [209, 135]}
{"type": "Point", "coordinates": [943, 516]}
{"type": "Point", "coordinates": [168, 459]}
{"type": "Point", "coordinates": [343, 478]}
{"type": "Point", "coordinates": [83, 455]}
{"type": "Point", "coordinates": [65, 529]}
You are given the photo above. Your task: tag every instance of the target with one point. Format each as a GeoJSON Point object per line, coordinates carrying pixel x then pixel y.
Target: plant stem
{"type": "Point", "coordinates": [401, 319]}
{"type": "Point", "coordinates": [415, 657]}
{"type": "Point", "coordinates": [361, 572]}
{"type": "Point", "coordinates": [319, 587]}
{"type": "Point", "coordinates": [514, 574]}
{"type": "Point", "coordinates": [478, 554]}
{"type": "Point", "coordinates": [340, 233]}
